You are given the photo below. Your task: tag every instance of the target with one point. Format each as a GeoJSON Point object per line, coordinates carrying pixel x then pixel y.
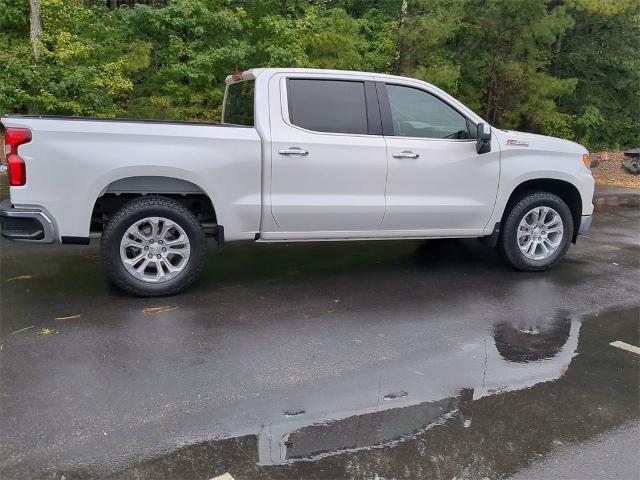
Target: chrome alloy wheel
{"type": "Point", "coordinates": [155, 249]}
{"type": "Point", "coordinates": [540, 233]}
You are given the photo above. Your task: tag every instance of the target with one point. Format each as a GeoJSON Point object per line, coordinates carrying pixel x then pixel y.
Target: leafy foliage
{"type": "Point", "coordinates": [569, 68]}
{"type": "Point", "coordinates": [602, 52]}
{"type": "Point", "coordinates": [85, 66]}
{"type": "Point", "coordinates": [196, 43]}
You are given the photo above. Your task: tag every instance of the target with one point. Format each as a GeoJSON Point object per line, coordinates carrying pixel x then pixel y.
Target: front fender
{"type": "Point", "coordinates": [516, 170]}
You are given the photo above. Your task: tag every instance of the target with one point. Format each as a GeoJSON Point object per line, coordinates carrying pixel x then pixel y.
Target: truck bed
{"type": "Point", "coordinates": [72, 161]}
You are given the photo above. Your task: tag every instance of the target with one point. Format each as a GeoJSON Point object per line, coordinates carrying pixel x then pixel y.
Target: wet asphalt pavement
{"type": "Point", "coordinates": [429, 360]}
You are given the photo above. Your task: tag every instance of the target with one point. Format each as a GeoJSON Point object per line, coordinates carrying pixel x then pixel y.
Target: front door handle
{"type": "Point", "coordinates": [406, 154]}
{"type": "Point", "coordinates": [293, 151]}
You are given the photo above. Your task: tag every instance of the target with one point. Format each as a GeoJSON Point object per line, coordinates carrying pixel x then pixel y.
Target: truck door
{"type": "Point", "coordinates": [328, 155]}
{"type": "Point", "coordinates": [437, 181]}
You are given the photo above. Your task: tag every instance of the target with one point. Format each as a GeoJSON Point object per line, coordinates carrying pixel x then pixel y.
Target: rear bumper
{"type": "Point", "coordinates": [26, 224]}
{"type": "Point", "coordinates": [585, 224]}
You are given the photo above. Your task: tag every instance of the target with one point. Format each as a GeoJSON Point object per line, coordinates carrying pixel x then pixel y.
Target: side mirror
{"type": "Point", "coordinates": [483, 138]}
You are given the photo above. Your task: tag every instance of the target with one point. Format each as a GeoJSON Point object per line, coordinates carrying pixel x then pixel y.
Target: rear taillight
{"type": "Point", "coordinates": [16, 168]}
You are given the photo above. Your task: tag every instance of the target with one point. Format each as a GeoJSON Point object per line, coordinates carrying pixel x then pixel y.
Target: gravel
{"type": "Point", "coordinates": [611, 172]}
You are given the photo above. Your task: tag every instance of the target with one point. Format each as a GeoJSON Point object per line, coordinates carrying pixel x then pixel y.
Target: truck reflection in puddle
{"type": "Point", "coordinates": [408, 398]}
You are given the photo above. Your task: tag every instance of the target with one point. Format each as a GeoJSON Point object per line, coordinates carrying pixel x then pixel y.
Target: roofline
{"type": "Point", "coordinates": [253, 73]}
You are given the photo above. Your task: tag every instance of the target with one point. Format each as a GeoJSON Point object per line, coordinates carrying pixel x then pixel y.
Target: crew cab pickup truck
{"type": "Point", "coordinates": [300, 155]}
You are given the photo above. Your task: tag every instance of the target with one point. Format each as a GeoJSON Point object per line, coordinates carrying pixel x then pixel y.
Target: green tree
{"type": "Point", "coordinates": [318, 34]}
{"type": "Point", "coordinates": [494, 55]}
{"type": "Point", "coordinates": [195, 44]}
{"type": "Point", "coordinates": [84, 64]}
{"type": "Point", "coordinates": [602, 51]}
{"type": "Point", "coordinates": [428, 40]}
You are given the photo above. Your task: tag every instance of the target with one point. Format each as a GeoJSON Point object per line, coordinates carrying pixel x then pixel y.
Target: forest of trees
{"type": "Point", "coordinates": [569, 68]}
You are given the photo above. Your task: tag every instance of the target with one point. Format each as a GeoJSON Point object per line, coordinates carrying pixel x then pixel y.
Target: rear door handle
{"type": "Point", "coordinates": [293, 151]}
{"type": "Point", "coordinates": [406, 154]}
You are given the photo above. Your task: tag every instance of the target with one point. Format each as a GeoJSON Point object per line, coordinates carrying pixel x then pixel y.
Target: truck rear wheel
{"type": "Point", "coordinates": [153, 246]}
{"type": "Point", "coordinates": [537, 232]}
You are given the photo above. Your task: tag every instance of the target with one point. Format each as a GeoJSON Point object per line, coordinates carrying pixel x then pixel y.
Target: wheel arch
{"type": "Point", "coordinates": [564, 189]}
{"type": "Point", "coordinates": [145, 184]}
{"type": "Point", "coordinates": [124, 189]}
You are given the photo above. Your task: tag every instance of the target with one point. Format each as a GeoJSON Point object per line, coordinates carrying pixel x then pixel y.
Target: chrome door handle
{"type": "Point", "coordinates": [293, 151]}
{"type": "Point", "coordinates": [406, 154]}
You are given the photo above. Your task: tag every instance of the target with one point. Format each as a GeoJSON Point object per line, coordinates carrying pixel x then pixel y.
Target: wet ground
{"type": "Point", "coordinates": [429, 360]}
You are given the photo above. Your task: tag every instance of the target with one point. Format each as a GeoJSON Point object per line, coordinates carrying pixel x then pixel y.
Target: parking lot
{"type": "Point", "coordinates": [327, 360]}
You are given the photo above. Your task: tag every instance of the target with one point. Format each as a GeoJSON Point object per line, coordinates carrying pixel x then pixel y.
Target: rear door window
{"type": "Point", "coordinates": [328, 105]}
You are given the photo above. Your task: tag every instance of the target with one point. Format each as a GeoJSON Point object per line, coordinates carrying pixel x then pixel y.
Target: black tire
{"type": "Point", "coordinates": [508, 237]}
{"type": "Point", "coordinates": [139, 209]}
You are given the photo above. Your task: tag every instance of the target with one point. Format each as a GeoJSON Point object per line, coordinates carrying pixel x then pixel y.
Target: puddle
{"type": "Point", "coordinates": [511, 357]}
{"type": "Point", "coordinates": [467, 416]}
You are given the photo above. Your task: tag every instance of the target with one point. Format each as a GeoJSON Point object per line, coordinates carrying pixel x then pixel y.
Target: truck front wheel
{"type": "Point", "coordinates": [153, 246]}
{"type": "Point", "coordinates": [537, 232]}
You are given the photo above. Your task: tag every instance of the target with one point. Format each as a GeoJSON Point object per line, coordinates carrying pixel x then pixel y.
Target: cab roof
{"type": "Point", "coordinates": [254, 73]}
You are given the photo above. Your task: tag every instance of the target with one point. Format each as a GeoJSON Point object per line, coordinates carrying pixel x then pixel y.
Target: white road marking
{"type": "Point", "coordinates": [626, 346]}
{"type": "Point", "coordinates": [224, 476]}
